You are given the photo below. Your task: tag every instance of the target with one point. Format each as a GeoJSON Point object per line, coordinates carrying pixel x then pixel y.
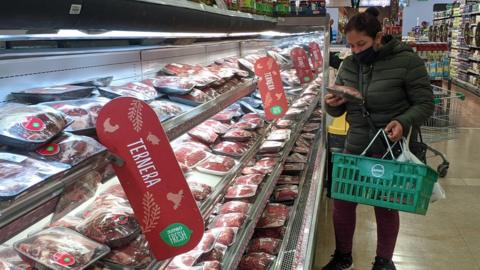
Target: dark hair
{"type": "Point", "coordinates": [365, 22]}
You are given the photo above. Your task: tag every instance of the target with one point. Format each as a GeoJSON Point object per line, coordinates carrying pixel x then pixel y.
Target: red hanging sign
{"type": "Point", "coordinates": [316, 54]}
{"type": "Point", "coordinates": [151, 177]}
{"type": "Point", "coordinates": [270, 84]}
{"type": "Point", "coordinates": [302, 65]}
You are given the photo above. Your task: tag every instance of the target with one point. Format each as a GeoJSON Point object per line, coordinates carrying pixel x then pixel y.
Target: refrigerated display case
{"type": "Point", "coordinates": [70, 194]}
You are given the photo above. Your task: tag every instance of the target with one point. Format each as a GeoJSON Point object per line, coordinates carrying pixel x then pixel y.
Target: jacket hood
{"type": "Point", "coordinates": [392, 46]}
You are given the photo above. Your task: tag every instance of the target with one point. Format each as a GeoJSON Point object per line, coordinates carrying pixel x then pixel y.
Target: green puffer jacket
{"type": "Point", "coordinates": [395, 87]}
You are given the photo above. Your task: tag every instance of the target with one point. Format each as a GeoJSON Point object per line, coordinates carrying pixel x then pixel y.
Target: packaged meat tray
{"type": "Point", "coordinates": [301, 149]}
{"type": "Point", "coordinates": [60, 249]}
{"type": "Point", "coordinates": [250, 179]}
{"type": "Point", "coordinates": [209, 265]}
{"type": "Point", "coordinates": [203, 134]}
{"type": "Point", "coordinates": [115, 190]}
{"type": "Point", "coordinates": [28, 127]}
{"type": "Point", "coordinates": [183, 261]}
{"type": "Point", "coordinates": [255, 170]}
{"type": "Point", "coordinates": [293, 114]}
{"type": "Point", "coordinates": [301, 141]}
{"type": "Point", "coordinates": [267, 245]}
{"type": "Point", "coordinates": [206, 243]}
{"type": "Point", "coordinates": [293, 167]}
{"type": "Point", "coordinates": [83, 112]}
{"type": "Point", "coordinates": [190, 156]}
{"type": "Point", "coordinates": [247, 66]}
{"type": "Point", "coordinates": [234, 220]}
{"type": "Point", "coordinates": [165, 109]}
{"type": "Point", "coordinates": [217, 165]}
{"type": "Point", "coordinates": [266, 162]}
{"type": "Point", "coordinates": [19, 173]}
{"type": "Point", "coordinates": [217, 126]}
{"type": "Point", "coordinates": [200, 191]}
{"type": "Point", "coordinates": [284, 123]}
{"type": "Point", "coordinates": [172, 84]}
{"type": "Point", "coordinates": [256, 261]}
{"type": "Point", "coordinates": [232, 149]}
{"type": "Point", "coordinates": [288, 179]}
{"type": "Point", "coordinates": [234, 207]}
{"type": "Point", "coordinates": [70, 149]}
{"type": "Point", "coordinates": [63, 92]}
{"type": "Point", "coordinates": [276, 233]}
{"type": "Point", "coordinates": [211, 92]}
{"type": "Point", "coordinates": [135, 255]}
{"type": "Point", "coordinates": [193, 98]}
{"type": "Point", "coordinates": [97, 82]}
{"type": "Point", "coordinates": [137, 90]}
{"type": "Point", "coordinates": [10, 260]}
{"type": "Point", "coordinates": [249, 124]}
{"type": "Point", "coordinates": [238, 135]}
{"type": "Point", "coordinates": [285, 193]}
{"type": "Point", "coordinates": [216, 254]}
{"type": "Point", "coordinates": [70, 222]}
{"type": "Point", "coordinates": [296, 158]}
{"type": "Point", "coordinates": [311, 127]}
{"type": "Point", "coordinates": [225, 236]}
{"type": "Point", "coordinates": [271, 147]}
{"type": "Point", "coordinates": [241, 192]}
{"type": "Point", "coordinates": [255, 103]}
{"type": "Point", "coordinates": [225, 116]}
{"type": "Point", "coordinates": [115, 227]}
{"type": "Point", "coordinates": [105, 202]}
{"type": "Point", "coordinates": [274, 215]}
{"type": "Point", "coordinates": [279, 135]}
{"type": "Point", "coordinates": [308, 136]}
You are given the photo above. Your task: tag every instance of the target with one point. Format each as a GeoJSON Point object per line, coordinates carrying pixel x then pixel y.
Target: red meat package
{"type": "Point", "coordinates": [60, 248]}
{"type": "Point", "coordinates": [10, 260]}
{"type": "Point", "coordinates": [193, 98]}
{"type": "Point", "coordinates": [267, 162]}
{"type": "Point", "coordinates": [209, 265]}
{"type": "Point", "coordinates": [255, 170]}
{"type": "Point", "coordinates": [288, 179]}
{"type": "Point", "coordinates": [105, 202]}
{"type": "Point", "coordinates": [216, 254]}
{"type": "Point", "coordinates": [249, 124]}
{"type": "Point", "coordinates": [115, 227]}
{"type": "Point", "coordinates": [294, 167]}
{"type": "Point", "coordinates": [217, 165]}
{"type": "Point", "coordinates": [190, 156]}
{"type": "Point", "coordinates": [211, 92]}
{"type": "Point", "coordinates": [217, 126]}
{"type": "Point", "coordinates": [297, 158]}
{"type": "Point", "coordinates": [284, 123]}
{"type": "Point", "coordinates": [279, 135]}
{"type": "Point", "coordinates": [311, 127]}
{"type": "Point", "coordinates": [225, 116]}
{"type": "Point", "coordinates": [70, 149]}
{"type": "Point", "coordinates": [225, 235]}
{"type": "Point", "coordinates": [172, 84]}
{"type": "Point", "coordinates": [293, 113]}
{"type": "Point", "coordinates": [301, 141]}
{"type": "Point", "coordinates": [276, 233]}
{"type": "Point", "coordinates": [233, 149]}
{"type": "Point", "coordinates": [256, 261]}
{"type": "Point", "coordinates": [239, 135]}
{"type": "Point", "coordinates": [115, 190]}
{"type": "Point", "coordinates": [136, 254]}
{"type": "Point", "coordinates": [206, 243]}
{"type": "Point", "coordinates": [301, 149]}
{"type": "Point", "coordinates": [308, 136]}
{"type": "Point", "coordinates": [61, 92]}
{"type": "Point", "coordinates": [267, 245]}
{"type": "Point", "coordinates": [200, 191]}
{"type": "Point", "coordinates": [241, 192]}
{"type": "Point", "coordinates": [28, 127]}
{"type": "Point", "coordinates": [271, 147]}
{"type": "Point", "coordinates": [70, 222]}
{"type": "Point", "coordinates": [250, 179]}
{"type": "Point", "coordinates": [274, 215]}
{"type": "Point", "coordinates": [165, 109]}
{"type": "Point", "coordinates": [136, 89]}
{"type": "Point", "coordinates": [203, 134]}
{"type": "Point", "coordinates": [235, 220]}
{"type": "Point", "coordinates": [184, 261]}
{"type": "Point", "coordinates": [285, 193]}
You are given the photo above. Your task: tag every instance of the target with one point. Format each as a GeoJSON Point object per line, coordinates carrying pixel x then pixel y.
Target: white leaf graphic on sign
{"type": "Point", "coordinates": [135, 115]}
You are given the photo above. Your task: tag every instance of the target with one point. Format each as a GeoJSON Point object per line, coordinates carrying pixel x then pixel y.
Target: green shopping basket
{"type": "Point", "coordinates": [391, 184]}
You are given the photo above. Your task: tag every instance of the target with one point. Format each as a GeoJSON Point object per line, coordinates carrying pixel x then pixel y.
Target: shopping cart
{"type": "Point", "coordinates": [442, 125]}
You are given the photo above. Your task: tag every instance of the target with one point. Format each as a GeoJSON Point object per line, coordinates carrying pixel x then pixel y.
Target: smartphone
{"type": "Point", "coordinates": [340, 93]}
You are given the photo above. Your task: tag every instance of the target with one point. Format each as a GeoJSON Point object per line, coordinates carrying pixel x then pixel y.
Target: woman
{"type": "Point", "coordinates": [397, 95]}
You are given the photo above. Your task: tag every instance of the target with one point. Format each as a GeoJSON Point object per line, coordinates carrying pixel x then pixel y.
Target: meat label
{"type": "Point", "coordinates": [271, 89]}
{"type": "Point", "coordinates": [151, 177]}
{"type": "Point", "coordinates": [302, 65]}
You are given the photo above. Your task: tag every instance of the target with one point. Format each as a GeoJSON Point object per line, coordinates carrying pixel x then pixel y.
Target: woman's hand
{"type": "Point", "coordinates": [394, 130]}
{"type": "Point", "coordinates": [334, 101]}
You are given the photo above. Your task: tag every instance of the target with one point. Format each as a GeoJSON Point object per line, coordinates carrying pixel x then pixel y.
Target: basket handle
{"type": "Point", "coordinates": [384, 135]}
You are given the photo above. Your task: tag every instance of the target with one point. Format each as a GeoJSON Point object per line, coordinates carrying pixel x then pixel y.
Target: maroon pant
{"type": "Point", "coordinates": [344, 217]}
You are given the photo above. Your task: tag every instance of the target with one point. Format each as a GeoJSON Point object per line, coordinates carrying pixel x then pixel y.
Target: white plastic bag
{"type": "Point", "coordinates": [438, 193]}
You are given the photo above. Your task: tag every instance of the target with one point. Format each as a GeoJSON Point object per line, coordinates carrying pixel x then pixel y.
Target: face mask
{"type": "Point", "coordinates": [367, 56]}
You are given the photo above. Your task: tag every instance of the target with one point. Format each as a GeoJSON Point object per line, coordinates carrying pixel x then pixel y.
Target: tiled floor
{"type": "Point", "coordinates": [448, 237]}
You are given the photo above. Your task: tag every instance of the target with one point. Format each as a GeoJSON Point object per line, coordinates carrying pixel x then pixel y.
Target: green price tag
{"type": "Point", "coordinates": [276, 110]}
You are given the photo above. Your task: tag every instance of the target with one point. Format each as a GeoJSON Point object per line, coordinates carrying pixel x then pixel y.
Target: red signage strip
{"type": "Point", "coordinates": [270, 84]}
{"type": "Point", "coordinates": [302, 65]}
{"type": "Point", "coordinates": [317, 59]}
{"type": "Point", "coordinates": [151, 177]}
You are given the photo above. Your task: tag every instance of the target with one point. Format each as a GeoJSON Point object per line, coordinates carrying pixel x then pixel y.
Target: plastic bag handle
{"type": "Point", "coordinates": [380, 131]}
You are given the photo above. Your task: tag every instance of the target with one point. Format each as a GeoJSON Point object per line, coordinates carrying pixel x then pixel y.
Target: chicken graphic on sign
{"type": "Point", "coordinates": [176, 199]}
{"type": "Point", "coordinates": [108, 127]}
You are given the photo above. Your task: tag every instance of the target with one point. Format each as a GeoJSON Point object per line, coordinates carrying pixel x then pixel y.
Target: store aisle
{"type": "Point", "coordinates": [449, 236]}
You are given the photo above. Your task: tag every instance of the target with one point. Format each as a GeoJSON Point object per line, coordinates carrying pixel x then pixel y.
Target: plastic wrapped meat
{"type": "Point", "coordinates": [241, 192]}
{"type": "Point", "coordinates": [165, 109]}
{"type": "Point", "coordinates": [294, 167]}
{"type": "Point", "coordinates": [271, 147]}
{"type": "Point", "coordinates": [10, 260]}
{"type": "Point", "coordinates": [266, 162]}
{"type": "Point", "coordinates": [136, 254]}
{"type": "Point", "coordinates": [63, 92]}
{"type": "Point", "coordinates": [274, 215]}
{"type": "Point", "coordinates": [311, 127]}
{"type": "Point", "coordinates": [296, 158]}
{"type": "Point", "coordinates": [285, 193]}
{"type": "Point", "coordinates": [235, 220]}
{"type": "Point", "coordinates": [293, 113]}
{"type": "Point", "coordinates": [70, 149]}
{"type": "Point", "coordinates": [256, 261]}
{"type": "Point", "coordinates": [216, 254]}
{"type": "Point", "coordinates": [279, 135]}
{"type": "Point", "coordinates": [28, 127]}
{"type": "Point", "coordinates": [225, 116]}
{"type": "Point", "coordinates": [218, 165]}
{"type": "Point", "coordinates": [60, 248]}
{"type": "Point", "coordinates": [210, 265]}
{"type": "Point", "coordinates": [234, 207]}
{"type": "Point", "coordinates": [284, 123]}
{"type": "Point", "coordinates": [201, 76]}
{"type": "Point", "coordinates": [189, 156]}
{"type": "Point", "coordinates": [251, 179]}
{"type": "Point", "coordinates": [18, 173]}
{"type": "Point", "coordinates": [172, 84]}
{"type": "Point", "coordinates": [255, 170]}
{"type": "Point", "coordinates": [233, 149]}
{"type": "Point", "coordinates": [115, 227]}
{"type": "Point", "coordinates": [237, 134]}
{"type": "Point", "coordinates": [116, 190]}
{"type": "Point", "coordinates": [308, 136]}
{"type": "Point", "coordinates": [218, 127]}
{"type": "Point", "coordinates": [200, 191]}
{"type": "Point", "coordinates": [136, 89]}
{"type": "Point", "coordinates": [107, 201]}
{"type": "Point", "coordinates": [277, 232]}
{"type": "Point", "coordinates": [267, 245]}
{"type": "Point", "coordinates": [225, 236]}
{"type": "Point", "coordinates": [301, 149]}
{"type": "Point", "coordinates": [183, 261]}
{"type": "Point", "coordinates": [70, 222]}
{"type": "Point", "coordinates": [288, 179]}
{"type": "Point", "coordinates": [317, 112]}
{"type": "Point", "coordinates": [206, 243]}
{"type": "Point", "coordinates": [193, 98]}
{"type": "Point", "coordinates": [249, 124]}
{"type": "Point", "coordinates": [303, 142]}
{"type": "Point", "coordinates": [203, 134]}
